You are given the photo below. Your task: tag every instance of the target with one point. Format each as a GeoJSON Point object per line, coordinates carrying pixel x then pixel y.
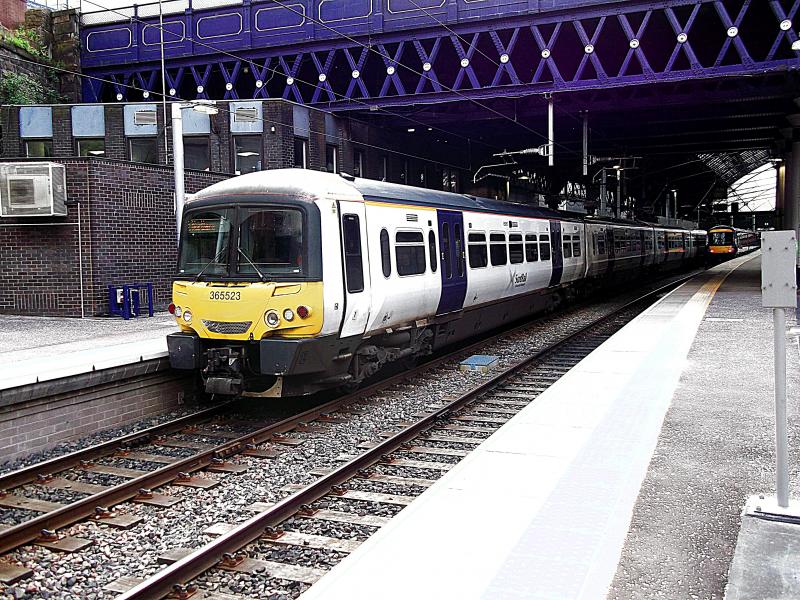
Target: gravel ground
{"type": "Point", "coordinates": [117, 553]}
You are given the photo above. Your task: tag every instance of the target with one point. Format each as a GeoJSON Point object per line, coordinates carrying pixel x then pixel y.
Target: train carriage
{"type": "Point", "coordinates": [291, 281]}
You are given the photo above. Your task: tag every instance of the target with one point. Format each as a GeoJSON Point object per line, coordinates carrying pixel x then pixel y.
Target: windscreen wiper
{"type": "Point", "coordinates": [209, 263]}
{"type": "Point", "coordinates": [252, 264]}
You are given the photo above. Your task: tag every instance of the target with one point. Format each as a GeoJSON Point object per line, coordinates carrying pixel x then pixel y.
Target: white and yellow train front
{"type": "Point", "coordinates": [254, 315]}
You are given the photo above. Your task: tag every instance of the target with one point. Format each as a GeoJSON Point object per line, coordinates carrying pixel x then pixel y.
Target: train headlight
{"type": "Point", "coordinates": [288, 314]}
{"type": "Point", "coordinates": [187, 315]}
{"type": "Point", "coordinates": [271, 318]}
{"type": "Point", "coordinates": [178, 312]}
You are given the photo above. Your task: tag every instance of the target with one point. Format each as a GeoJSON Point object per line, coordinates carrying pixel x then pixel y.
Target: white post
{"type": "Point", "coordinates": [551, 136]}
{"type": "Point", "coordinates": [177, 162]}
{"type": "Point", "coordinates": [779, 292]}
{"type": "Point", "coordinates": [781, 439]}
{"type": "Point", "coordinates": [603, 181]}
{"type": "Point", "coordinates": [163, 81]}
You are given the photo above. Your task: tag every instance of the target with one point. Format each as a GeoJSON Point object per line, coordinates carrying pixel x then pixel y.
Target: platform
{"type": "Point", "coordinates": [625, 479]}
{"type": "Point", "coordinates": [37, 349]}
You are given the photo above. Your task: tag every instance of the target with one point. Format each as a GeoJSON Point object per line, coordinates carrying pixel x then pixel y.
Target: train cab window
{"type": "Point", "coordinates": [445, 246]}
{"type": "Point", "coordinates": [409, 253]}
{"type": "Point", "coordinates": [353, 267]}
{"type": "Point", "coordinates": [544, 247]}
{"type": "Point", "coordinates": [476, 248]}
{"type": "Point", "coordinates": [386, 258]}
{"type": "Point", "coordinates": [515, 248]}
{"type": "Point", "coordinates": [205, 240]}
{"type": "Point", "coordinates": [270, 242]}
{"type": "Point", "coordinates": [567, 245]}
{"type": "Point", "coordinates": [576, 246]}
{"type": "Point", "coordinates": [531, 248]}
{"type": "Point", "coordinates": [432, 250]}
{"type": "Point", "coordinates": [497, 249]}
{"type": "Point", "coordinates": [459, 249]}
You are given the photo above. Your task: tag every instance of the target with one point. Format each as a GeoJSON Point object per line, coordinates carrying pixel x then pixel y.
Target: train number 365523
{"type": "Point", "coordinates": [225, 295]}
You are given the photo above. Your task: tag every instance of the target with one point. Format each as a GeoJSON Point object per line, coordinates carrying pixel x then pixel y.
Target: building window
{"type": "Point", "coordinates": [197, 153]}
{"type": "Point", "coordinates": [300, 153]}
{"type": "Point", "coordinates": [143, 149]}
{"type": "Point", "coordinates": [39, 148]}
{"type": "Point", "coordinates": [358, 163]}
{"type": "Point", "coordinates": [91, 147]}
{"type": "Point", "coordinates": [331, 159]}
{"type": "Point", "coordinates": [246, 154]}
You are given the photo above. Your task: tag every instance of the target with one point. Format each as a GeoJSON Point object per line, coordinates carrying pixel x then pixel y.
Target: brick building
{"type": "Point", "coordinates": [120, 225]}
{"type": "Point", "coordinates": [12, 13]}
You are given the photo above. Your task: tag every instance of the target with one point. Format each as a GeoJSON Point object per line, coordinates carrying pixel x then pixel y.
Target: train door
{"type": "Point", "coordinates": [356, 268]}
{"type": "Point", "coordinates": [557, 253]}
{"type": "Point", "coordinates": [610, 249]}
{"type": "Point", "coordinates": [452, 261]}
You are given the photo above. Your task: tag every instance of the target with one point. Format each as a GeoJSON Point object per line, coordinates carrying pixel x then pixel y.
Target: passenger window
{"type": "Point", "coordinates": [353, 269]}
{"type": "Point", "coordinates": [432, 250]}
{"type": "Point", "coordinates": [576, 246]}
{"type": "Point", "coordinates": [386, 259]}
{"type": "Point", "coordinates": [567, 246]}
{"type": "Point", "coordinates": [531, 248]}
{"type": "Point", "coordinates": [544, 247]}
{"type": "Point", "coordinates": [497, 249]}
{"type": "Point", "coordinates": [515, 248]}
{"type": "Point", "coordinates": [409, 253]}
{"type": "Point", "coordinates": [445, 246]}
{"type": "Point", "coordinates": [459, 249]}
{"type": "Point", "coordinates": [601, 242]}
{"type": "Point", "coordinates": [476, 248]}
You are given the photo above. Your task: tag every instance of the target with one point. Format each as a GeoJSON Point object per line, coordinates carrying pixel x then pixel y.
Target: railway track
{"type": "Point", "coordinates": [408, 460]}
{"type": "Point", "coordinates": [175, 452]}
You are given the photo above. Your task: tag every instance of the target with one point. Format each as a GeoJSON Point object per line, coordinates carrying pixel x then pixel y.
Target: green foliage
{"type": "Point", "coordinates": [26, 39]}
{"type": "Point", "coordinates": [20, 88]}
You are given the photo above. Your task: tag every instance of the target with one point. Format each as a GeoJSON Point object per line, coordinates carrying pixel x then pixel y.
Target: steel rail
{"type": "Point", "coordinates": [28, 531]}
{"type": "Point", "coordinates": [228, 544]}
{"type": "Point", "coordinates": [31, 473]}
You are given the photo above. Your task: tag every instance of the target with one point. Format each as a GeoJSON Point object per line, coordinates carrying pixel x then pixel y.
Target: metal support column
{"type": "Point", "coordinates": [551, 136]}
{"type": "Point", "coordinates": [781, 439]}
{"type": "Point", "coordinates": [177, 162]}
{"type": "Point", "coordinates": [585, 143]}
{"type": "Point", "coordinates": [603, 206]}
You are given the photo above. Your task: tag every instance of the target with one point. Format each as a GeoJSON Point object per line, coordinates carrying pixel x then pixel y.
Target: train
{"type": "Point", "coordinates": [726, 242]}
{"type": "Point", "coordinates": [293, 281]}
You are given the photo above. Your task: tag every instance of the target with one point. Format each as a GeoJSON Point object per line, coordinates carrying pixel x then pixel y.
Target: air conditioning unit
{"type": "Point", "coordinates": [245, 114]}
{"type": "Point", "coordinates": [33, 190]}
{"type": "Point", "coordinates": [145, 117]}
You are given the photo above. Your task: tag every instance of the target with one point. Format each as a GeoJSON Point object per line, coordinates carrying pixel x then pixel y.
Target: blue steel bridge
{"type": "Point", "coordinates": [658, 77]}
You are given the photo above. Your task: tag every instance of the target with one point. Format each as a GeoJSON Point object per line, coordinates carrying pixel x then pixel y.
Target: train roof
{"type": "Point", "coordinates": [305, 185]}
{"type": "Point", "coordinates": [394, 192]}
